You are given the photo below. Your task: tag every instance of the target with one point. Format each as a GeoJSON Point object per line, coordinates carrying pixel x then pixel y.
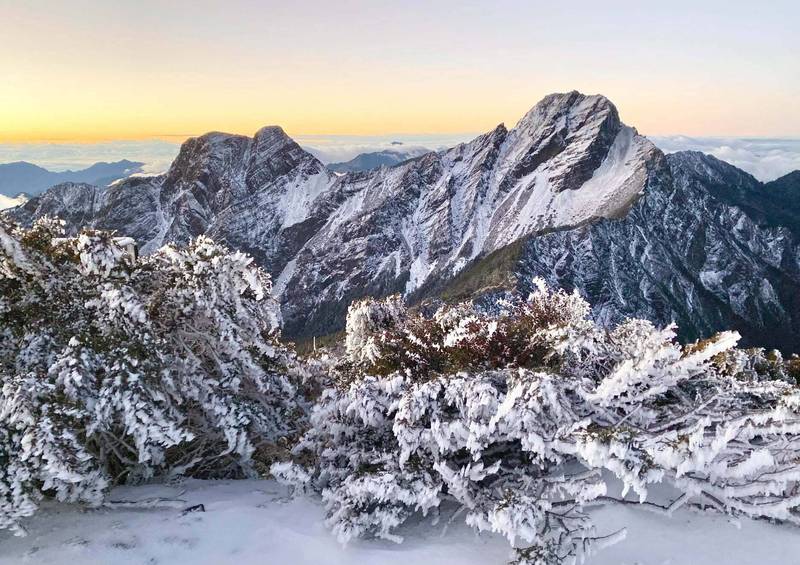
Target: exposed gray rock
{"type": "Point", "coordinates": [582, 199]}
{"type": "Point", "coordinates": [696, 250]}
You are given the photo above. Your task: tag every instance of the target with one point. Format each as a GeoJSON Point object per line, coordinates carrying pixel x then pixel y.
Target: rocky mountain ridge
{"type": "Point", "coordinates": [577, 196]}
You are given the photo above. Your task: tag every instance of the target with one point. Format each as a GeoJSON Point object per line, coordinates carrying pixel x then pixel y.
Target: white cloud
{"type": "Point", "coordinates": [338, 148]}
{"type": "Point", "coordinates": [765, 159]}
{"type": "Point", "coordinates": [155, 154]}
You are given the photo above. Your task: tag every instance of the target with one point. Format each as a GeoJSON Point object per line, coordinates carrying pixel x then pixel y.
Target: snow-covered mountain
{"type": "Point", "coordinates": [708, 247]}
{"type": "Point", "coordinates": [569, 192]}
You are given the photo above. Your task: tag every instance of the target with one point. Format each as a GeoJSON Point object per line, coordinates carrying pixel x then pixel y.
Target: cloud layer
{"type": "Point", "coordinates": [155, 154]}
{"type": "Point", "coordinates": [339, 148]}
{"type": "Point", "coordinates": [765, 159]}
{"type": "Point", "coordinates": [8, 202]}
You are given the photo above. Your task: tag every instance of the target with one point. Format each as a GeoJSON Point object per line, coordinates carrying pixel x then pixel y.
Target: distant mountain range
{"type": "Point", "coordinates": [385, 158]}
{"type": "Point", "coordinates": [23, 177]}
{"type": "Point", "coordinates": [570, 193]}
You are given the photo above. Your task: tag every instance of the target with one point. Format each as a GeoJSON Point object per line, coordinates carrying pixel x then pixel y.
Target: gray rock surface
{"type": "Point", "coordinates": [580, 198]}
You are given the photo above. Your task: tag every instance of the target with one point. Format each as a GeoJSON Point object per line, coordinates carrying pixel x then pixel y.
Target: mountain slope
{"type": "Point", "coordinates": [23, 177]}
{"type": "Point", "coordinates": [567, 162]}
{"type": "Point", "coordinates": [684, 253]}
{"type": "Point", "coordinates": [569, 193]}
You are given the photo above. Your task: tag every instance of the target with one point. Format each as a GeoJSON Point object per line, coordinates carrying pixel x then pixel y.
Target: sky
{"type": "Point", "coordinates": [99, 70]}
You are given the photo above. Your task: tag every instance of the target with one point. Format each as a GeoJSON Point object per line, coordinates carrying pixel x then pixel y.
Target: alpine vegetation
{"type": "Point", "coordinates": [116, 368]}
{"type": "Point", "coordinates": [525, 417]}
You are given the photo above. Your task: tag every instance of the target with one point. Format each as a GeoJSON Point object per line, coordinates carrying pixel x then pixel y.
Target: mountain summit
{"type": "Point", "coordinates": [569, 193]}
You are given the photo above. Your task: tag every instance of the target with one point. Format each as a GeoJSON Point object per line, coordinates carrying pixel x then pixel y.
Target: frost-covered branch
{"type": "Point", "coordinates": [117, 368]}
{"type": "Point", "coordinates": [522, 416]}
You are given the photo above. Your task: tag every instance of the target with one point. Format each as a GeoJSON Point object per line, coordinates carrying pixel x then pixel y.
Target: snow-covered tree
{"type": "Point", "coordinates": [117, 368]}
{"type": "Point", "coordinates": [522, 418]}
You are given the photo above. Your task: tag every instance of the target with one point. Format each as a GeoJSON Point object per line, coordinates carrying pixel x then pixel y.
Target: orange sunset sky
{"type": "Point", "coordinates": [91, 70]}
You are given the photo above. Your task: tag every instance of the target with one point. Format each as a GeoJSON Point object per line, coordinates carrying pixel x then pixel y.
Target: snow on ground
{"type": "Point", "coordinates": [254, 523]}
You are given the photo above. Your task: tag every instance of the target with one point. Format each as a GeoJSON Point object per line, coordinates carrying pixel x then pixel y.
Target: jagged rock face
{"type": "Point", "coordinates": [567, 162]}
{"type": "Point", "coordinates": [128, 207]}
{"type": "Point", "coordinates": [243, 191]}
{"type": "Point", "coordinates": [780, 200]}
{"type": "Point", "coordinates": [566, 129]}
{"type": "Point", "coordinates": [693, 250]}
{"type": "Point", "coordinates": [75, 203]}
{"type": "Point", "coordinates": [705, 246]}
{"type": "Point", "coordinates": [132, 207]}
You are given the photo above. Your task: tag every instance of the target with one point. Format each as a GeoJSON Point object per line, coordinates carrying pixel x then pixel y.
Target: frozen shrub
{"type": "Point", "coordinates": [116, 368]}
{"type": "Point", "coordinates": [521, 417]}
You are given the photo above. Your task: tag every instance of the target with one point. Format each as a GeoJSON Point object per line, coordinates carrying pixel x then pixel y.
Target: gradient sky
{"type": "Point", "coordinates": [87, 70]}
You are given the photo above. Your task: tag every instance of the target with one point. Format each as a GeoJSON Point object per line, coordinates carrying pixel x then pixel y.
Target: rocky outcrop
{"type": "Point", "coordinates": [569, 193]}
{"type": "Point", "coordinates": [685, 253]}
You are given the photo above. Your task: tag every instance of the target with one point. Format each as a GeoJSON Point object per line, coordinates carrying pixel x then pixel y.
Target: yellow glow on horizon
{"type": "Point", "coordinates": [123, 70]}
{"type": "Point", "coordinates": [177, 115]}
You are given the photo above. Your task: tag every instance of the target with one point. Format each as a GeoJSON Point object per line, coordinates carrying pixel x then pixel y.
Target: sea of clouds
{"type": "Point", "coordinates": [156, 154]}
{"type": "Point", "coordinates": [339, 148]}
{"type": "Point", "coordinates": [764, 158]}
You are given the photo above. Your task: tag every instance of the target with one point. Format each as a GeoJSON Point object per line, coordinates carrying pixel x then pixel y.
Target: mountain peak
{"type": "Point", "coordinates": [275, 133]}
{"type": "Point", "coordinates": [560, 104]}
{"type": "Point", "coordinates": [270, 140]}
{"type": "Point", "coordinates": [709, 168]}
{"type": "Point", "coordinates": [570, 192]}
{"type": "Point", "coordinates": [792, 177]}
{"type": "Point", "coordinates": [572, 129]}
{"type": "Point", "coordinates": [197, 154]}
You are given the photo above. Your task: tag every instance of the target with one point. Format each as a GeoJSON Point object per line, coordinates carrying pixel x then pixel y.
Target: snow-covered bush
{"type": "Point", "coordinates": [523, 417]}
{"type": "Point", "coordinates": [116, 368]}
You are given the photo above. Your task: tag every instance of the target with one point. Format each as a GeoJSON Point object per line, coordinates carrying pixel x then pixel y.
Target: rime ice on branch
{"type": "Point", "coordinates": [521, 417]}
{"type": "Point", "coordinates": [116, 368]}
